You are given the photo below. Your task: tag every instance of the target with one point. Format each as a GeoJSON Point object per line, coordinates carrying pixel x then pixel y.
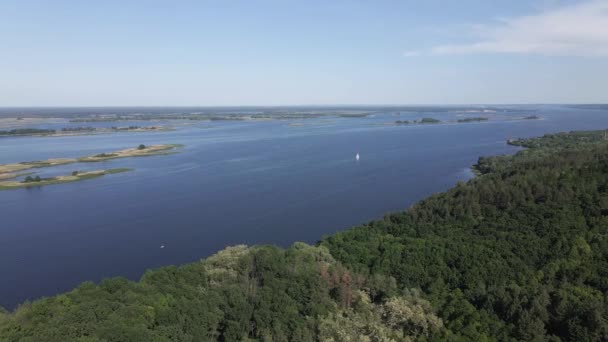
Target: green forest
{"type": "Point", "coordinates": [519, 253]}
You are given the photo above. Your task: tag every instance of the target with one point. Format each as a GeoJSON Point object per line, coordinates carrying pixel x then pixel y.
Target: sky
{"type": "Point", "coordinates": [233, 53]}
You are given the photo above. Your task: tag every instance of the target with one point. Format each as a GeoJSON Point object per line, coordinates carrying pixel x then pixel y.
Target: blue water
{"type": "Point", "coordinates": [233, 182]}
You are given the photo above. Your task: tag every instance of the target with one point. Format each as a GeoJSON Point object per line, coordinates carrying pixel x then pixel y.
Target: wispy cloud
{"type": "Point", "coordinates": [575, 30]}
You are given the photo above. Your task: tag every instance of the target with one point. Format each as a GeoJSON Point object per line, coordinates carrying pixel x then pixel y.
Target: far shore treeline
{"type": "Point", "coordinates": [519, 253]}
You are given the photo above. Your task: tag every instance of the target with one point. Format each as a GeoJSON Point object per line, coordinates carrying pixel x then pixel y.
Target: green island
{"type": "Point", "coordinates": [519, 253]}
{"type": "Point", "coordinates": [74, 177]}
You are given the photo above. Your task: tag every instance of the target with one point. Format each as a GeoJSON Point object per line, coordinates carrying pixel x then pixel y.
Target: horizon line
{"type": "Point", "coordinates": [310, 105]}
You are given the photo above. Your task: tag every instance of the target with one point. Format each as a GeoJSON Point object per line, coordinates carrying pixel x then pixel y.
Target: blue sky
{"type": "Point", "coordinates": [209, 53]}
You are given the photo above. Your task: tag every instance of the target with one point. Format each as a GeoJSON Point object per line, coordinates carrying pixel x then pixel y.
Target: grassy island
{"type": "Point", "coordinates": [74, 177]}
{"type": "Point", "coordinates": [140, 151]}
{"type": "Point", "coordinates": [9, 170]}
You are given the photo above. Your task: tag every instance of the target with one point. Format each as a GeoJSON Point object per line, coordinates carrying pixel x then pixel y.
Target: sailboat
{"type": "Point", "coordinates": [357, 157]}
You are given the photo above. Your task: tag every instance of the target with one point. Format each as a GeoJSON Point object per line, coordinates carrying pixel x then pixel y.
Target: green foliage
{"type": "Point", "coordinates": [30, 179]}
{"type": "Point", "coordinates": [520, 252]}
{"type": "Point", "coordinates": [27, 131]}
{"type": "Point", "coordinates": [429, 121]}
{"type": "Point", "coordinates": [105, 155]}
{"type": "Point", "coordinates": [260, 293]}
{"type": "Point", "coordinates": [574, 139]}
{"type": "Point", "coordinates": [141, 147]}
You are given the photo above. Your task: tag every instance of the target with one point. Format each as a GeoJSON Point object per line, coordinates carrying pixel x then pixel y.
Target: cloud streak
{"type": "Point", "coordinates": [575, 30]}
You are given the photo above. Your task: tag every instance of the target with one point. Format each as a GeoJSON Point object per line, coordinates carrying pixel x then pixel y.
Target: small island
{"type": "Point", "coordinates": [30, 181]}
{"type": "Point", "coordinates": [422, 121]}
{"type": "Point", "coordinates": [467, 120]}
{"type": "Point", "coordinates": [140, 151]}
{"type": "Point", "coordinates": [9, 171]}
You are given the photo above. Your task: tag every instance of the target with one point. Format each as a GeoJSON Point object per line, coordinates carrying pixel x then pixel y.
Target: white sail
{"type": "Point", "coordinates": [357, 157]}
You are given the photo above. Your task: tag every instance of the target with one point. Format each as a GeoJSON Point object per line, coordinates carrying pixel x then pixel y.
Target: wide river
{"type": "Point", "coordinates": [263, 182]}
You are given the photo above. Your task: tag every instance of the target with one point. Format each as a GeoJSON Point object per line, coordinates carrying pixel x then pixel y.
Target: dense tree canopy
{"type": "Point", "coordinates": [261, 293]}
{"type": "Point", "coordinates": [518, 253]}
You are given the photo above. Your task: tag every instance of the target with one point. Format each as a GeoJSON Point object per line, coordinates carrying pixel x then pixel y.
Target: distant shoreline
{"type": "Point", "coordinates": [79, 131]}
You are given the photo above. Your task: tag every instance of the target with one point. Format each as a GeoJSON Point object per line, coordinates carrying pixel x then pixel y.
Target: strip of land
{"type": "Point", "coordinates": [140, 151]}
{"type": "Point", "coordinates": [6, 176]}
{"type": "Point", "coordinates": [16, 167]}
{"type": "Point", "coordinates": [74, 177]}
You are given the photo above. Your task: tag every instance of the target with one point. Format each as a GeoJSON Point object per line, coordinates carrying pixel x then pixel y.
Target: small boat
{"type": "Point", "coordinates": [357, 157]}
{"type": "Point", "coordinates": [162, 246]}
